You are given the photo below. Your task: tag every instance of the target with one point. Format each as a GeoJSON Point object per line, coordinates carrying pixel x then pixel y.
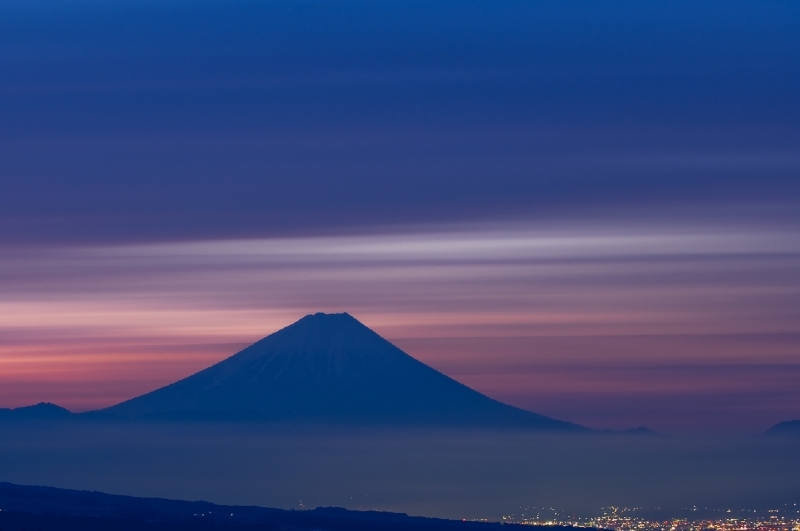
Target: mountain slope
{"type": "Point", "coordinates": [328, 368]}
{"type": "Point", "coordinates": [787, 427]}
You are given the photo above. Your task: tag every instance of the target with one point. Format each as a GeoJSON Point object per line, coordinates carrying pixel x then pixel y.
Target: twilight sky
{"type": "Point", "coordinates": [587, 209]}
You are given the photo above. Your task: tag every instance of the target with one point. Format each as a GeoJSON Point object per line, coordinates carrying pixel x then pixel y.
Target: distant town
{"type": "Point", "coordinates": [625, 519]}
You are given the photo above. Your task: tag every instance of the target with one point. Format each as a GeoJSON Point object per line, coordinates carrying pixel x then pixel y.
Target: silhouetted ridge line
{"type": "Point", "coordinates": [40, 411]}
{"type": "Point", "coordinates": [329, 368]}
{"type": "Point", "coordinates": [52, 509]}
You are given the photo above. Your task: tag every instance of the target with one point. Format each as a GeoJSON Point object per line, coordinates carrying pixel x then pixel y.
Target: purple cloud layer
{"type": "Point", "coordinates": [680, 330]}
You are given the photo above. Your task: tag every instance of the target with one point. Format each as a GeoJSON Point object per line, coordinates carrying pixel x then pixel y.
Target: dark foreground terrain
{"type": "Point", "coordinates": [47, 508]}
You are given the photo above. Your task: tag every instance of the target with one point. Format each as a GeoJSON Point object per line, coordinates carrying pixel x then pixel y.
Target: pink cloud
{"type": "Point", "coordinates": [518, 314]}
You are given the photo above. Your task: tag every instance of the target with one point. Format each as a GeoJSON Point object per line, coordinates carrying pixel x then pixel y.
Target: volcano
{"type": "Point", "coordinates": [329, 368]}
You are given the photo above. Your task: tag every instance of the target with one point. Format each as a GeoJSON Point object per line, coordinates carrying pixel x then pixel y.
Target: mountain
{"type": "Point", "coordinates": [329, 368]}
{"type": "Point", "coordinates": [42, 410]}
{"type": "Point", "coordinates": [789, 427]}
{"type": "Point", "coordinates": [52, 509]}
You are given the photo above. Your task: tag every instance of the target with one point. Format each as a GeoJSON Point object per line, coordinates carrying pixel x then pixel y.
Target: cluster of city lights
{"type": "Point", "coordinates": [624, 519]}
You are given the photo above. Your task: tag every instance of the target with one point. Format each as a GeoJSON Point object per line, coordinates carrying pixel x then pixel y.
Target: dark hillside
{"type": "Point", "coordinates": [51, 509]}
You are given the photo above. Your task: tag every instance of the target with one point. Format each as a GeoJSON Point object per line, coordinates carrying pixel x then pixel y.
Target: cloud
{"type": "Point", "coordinates": [152, 313]}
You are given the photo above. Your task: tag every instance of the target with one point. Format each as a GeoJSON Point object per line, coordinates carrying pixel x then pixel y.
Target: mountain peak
{"type": "Point", "coordinates": [42, 410]}
{"type": "Point", "coordinates": [327, 325]}
{"type": "Point", "coordinates": [328, 368]}
{"type": "Point", "coordinates": [322, 317]}
{"type": "Point", "coordinates": [329, 315]}
{"type": "Point", "coordinates": [316, 349]}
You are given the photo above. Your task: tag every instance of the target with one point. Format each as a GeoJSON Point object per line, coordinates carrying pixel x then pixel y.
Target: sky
{"type": "Point", "coordinates": [586, 209]}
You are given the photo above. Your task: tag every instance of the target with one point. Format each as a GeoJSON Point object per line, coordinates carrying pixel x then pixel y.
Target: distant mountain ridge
{"type": "Point", "coordinates": [788, 427]}
{"type": "Point", "coordinates": [42, 410]}
{"type": "Point", "coordinates": [53, 509]}
{"type": "Point", "coordinates": [329, 368]}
